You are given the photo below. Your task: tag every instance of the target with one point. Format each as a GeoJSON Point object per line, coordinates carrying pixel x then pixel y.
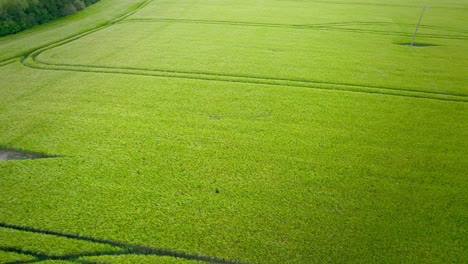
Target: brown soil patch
{"type": "Point", "coordinates": [11, 154]}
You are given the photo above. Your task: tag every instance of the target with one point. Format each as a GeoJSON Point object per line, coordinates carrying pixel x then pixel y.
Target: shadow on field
{"type": "Point", "coordinates": [419, 45]}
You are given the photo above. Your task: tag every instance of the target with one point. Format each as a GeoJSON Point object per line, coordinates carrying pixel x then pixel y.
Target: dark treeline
{"type": "Point", "coordinates": [18, 15]}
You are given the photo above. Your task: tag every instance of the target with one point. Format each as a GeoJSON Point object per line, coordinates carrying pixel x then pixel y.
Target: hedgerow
{"type": "Point", "coordinates": [18, 15]}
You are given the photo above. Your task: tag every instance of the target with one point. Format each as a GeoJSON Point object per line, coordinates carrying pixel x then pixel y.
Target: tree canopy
{"type": "Point", "coordinates": [18, 15]}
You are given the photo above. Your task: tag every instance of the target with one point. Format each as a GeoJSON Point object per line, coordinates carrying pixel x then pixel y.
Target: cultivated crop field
{"type": "Point", "coordinates": [222, 131]}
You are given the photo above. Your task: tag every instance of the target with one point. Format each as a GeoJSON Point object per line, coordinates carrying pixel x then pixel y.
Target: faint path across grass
{"type": "Point", "coordinates": [126, 248]}
{"type": "Point", "coordinates": [335, 26]}
{"type": "Point", "coordinates": [31, 61]}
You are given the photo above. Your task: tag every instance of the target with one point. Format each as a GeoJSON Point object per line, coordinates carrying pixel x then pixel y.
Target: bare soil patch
{"type": "Point", "coordinates": [12, 154]}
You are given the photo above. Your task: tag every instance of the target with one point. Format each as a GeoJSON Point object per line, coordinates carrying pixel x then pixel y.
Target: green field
{"type": "Point", "coordinates": [222, 131]}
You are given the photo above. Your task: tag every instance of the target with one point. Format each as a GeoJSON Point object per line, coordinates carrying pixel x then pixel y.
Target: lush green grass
{"type": "Point", "coordinates": [218, 129]}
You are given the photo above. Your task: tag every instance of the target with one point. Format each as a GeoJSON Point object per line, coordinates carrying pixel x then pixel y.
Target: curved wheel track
{"type": "Point", "coordinates": [336, 26]}
{"type": "Point", "coordinates": [125, 248]}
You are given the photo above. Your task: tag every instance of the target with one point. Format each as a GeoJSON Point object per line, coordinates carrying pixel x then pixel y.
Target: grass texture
{"type": "Point", "coordinates": [237, 132]}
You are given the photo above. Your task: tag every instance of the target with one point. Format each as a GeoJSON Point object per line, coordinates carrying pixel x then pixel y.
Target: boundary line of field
{"type": "Point", "coordinates": [335, 26]}
{"type": "Point", "coordinates": [85, 32]}
{"type": "Point", "coordinates": [77, 36]}
{"type": "Point", "coordinates": [126, 248]}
